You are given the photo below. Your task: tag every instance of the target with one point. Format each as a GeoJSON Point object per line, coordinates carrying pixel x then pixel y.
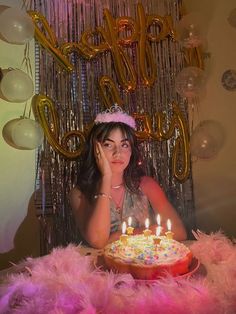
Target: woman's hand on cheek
{"type": "Point", "coordinates": [102, 162]}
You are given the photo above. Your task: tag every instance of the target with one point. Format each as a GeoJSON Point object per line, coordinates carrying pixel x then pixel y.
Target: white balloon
{"type": "Point", "coordinates": [207, 139]}
{"type": "Point", "coordinates": [27, 133]}
{"type": "Point", "coordinates": [17, 86]}
{"type": "Point", "coordinates": [232, 18]}
{"type": "Point", "coordinates": [7, 132]}
{"type": "Point", "coordinates": [190, 82]}
{"type": "Point", "coordinates": [16, 26]}
{"type": "Point", "coordinates": [189, 31]}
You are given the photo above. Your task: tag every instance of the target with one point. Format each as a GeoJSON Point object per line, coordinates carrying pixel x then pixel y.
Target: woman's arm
{"type": "Point", "coordinates": [162, 206]}
{"type": "Point", "coordinates": [93, 218]}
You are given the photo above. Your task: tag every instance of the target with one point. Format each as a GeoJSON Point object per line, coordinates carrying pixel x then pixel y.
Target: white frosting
{"type": "Point", "coordinates": [142, 250]}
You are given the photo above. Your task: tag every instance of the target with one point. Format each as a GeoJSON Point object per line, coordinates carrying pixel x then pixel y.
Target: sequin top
{"type": "Point", "coordinates": [135, 206]}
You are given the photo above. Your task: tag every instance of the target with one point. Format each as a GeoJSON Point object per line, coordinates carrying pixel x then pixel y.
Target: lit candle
{"type": "Point", "coordinates": [158, 219]}
{"type": "Point", "coordinates": [157, 239]}
{"type": "Point", "coordinates": [147, 232]}
{"type": "Point", "coordinates": [169, 234]}
{"type": "Point", "coordinates": [124, 236]}
{"type": "Point", "coordinates": [158, 231]}
{"type": "Point", "coordinates": [159, 223]}
{"type": "Point", "coordinates": [130, 229]}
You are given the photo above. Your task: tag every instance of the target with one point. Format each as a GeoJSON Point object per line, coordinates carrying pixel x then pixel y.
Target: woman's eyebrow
{"type": "Point", "coordinates": [110, 140]}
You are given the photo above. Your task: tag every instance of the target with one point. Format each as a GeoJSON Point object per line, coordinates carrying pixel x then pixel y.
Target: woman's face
{"type": "Point", "coordinates": [117, 150]}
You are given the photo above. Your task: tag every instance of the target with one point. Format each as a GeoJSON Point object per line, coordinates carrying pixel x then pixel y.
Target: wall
{"type": "Point", "coordinates": [19, 230]}
{"type": "Point", "coordinates": [214, 180]}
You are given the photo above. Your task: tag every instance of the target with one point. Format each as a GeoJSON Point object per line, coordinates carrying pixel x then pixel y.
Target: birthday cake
{"type": "Point", "coordinates": [144, 259]}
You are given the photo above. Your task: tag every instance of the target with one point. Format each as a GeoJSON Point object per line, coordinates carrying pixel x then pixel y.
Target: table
{"type": "Point", "coordinates": [84, 251]}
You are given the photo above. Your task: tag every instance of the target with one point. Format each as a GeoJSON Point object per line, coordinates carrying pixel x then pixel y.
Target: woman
{"type": "Point", "coordinates": [112, 185]}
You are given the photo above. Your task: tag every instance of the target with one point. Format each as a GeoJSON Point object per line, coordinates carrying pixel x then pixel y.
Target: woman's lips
{"type": "Point", "coordinates": [117, 162]}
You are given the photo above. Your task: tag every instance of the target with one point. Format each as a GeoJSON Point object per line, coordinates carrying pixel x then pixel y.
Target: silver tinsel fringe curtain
{"type": "Point", "coordinates": [77, 100]}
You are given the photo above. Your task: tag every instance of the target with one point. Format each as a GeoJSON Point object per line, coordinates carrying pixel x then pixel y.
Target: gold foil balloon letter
{"type": "Point", "coordinates": [48, 40]}
{"type": "Point", "coordinates": [46, 113]}
{"type": "Point", "coordinates": [108, 92]}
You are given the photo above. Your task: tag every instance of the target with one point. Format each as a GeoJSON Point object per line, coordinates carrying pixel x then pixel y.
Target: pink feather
{"type": "Point", "coordinates": [66, 282]}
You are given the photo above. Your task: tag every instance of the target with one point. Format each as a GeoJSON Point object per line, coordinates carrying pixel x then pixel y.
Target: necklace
{"type": "Point", "coordinates": [118, 202]}
{"type": "Point", "coordinates": [117, 186]}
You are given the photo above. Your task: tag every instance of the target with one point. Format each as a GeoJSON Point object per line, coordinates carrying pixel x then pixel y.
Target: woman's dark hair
{"type": "Point", "coordinates": [89, 174]}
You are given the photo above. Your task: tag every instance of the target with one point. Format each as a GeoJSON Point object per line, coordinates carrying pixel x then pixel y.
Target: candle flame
{"type": "Point", "coordinates": [124, 227]}
{"type": "Point", "coordinates": [168, 224]}
{"type": "Point", "coordinates": [158, 219]}
{"type": "Point", "coordinates": [158, 231]}
{"type": "Point", "coordinates": [147, 223]}
{"type": "Point", "coordinates": [129, 221]}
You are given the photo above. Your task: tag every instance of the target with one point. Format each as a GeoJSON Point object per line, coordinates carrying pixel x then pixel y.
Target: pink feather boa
{"type": "Point", "coordinates": [66, 282]}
